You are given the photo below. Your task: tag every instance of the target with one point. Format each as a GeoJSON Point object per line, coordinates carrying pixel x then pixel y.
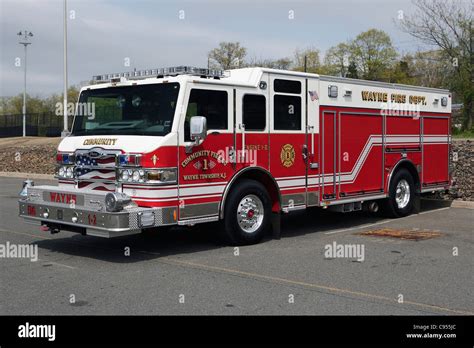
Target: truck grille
{"type": "Point", "coordinates": [95, 170]}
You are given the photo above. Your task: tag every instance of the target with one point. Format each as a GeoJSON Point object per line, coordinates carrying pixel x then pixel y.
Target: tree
{"type": "Point", "coordinates": [229, 55]}
{"type": "Point", "coordinates": [352, 71]}
{"type": "Point", "coordinates": [337, 58]}
{"type": "Point", "coordinates": [282, 63]}
{"type": "Point", "coordinates": [51, 103]}
{"type": "Point", "coordinates": [448, 26]}
{"type": "Point", "coordinates": [401, 72]}
{"type": "Point", "coordinates": [312, 60]}
{"type": "Point", "coordinates": [14, 105]}
{"type": "Point", "coordinates": [373, 53]}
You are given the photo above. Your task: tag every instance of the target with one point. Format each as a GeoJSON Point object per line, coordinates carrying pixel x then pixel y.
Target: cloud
{"type": "Point", "coordinates": [106, 32]}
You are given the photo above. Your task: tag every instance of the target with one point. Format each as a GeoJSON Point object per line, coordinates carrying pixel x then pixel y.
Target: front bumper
{"type": "Point", "coordinates": [88, 213]}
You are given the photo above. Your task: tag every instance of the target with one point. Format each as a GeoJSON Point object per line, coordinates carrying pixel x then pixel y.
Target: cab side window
{"type": "Point", "coordinates": [287, 112]}
{"type": "Point", "coordinates": [211, 104]}
{"type": "Point", "coordinates": [287, 106]}
{"type": "Point", "coordinates": [254, 112]}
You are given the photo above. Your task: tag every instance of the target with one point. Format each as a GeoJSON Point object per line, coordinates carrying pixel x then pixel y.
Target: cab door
{"type": "Point", "coordinates": [252, 127]}
{"type": "Point", "coordinates": [288, 138]}
{"type": "Point", "coordinates": [205, 169]}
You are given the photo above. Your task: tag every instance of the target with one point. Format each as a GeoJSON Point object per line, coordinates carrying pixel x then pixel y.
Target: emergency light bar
{"type": "Point", "coordinates": [178, 70]}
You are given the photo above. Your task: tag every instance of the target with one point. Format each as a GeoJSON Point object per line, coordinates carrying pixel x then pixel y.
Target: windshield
{"type": "Point", "coordinates": [130, 110]}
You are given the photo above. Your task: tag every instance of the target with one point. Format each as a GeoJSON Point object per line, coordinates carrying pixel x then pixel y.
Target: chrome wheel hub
{"type": "Point", "coordinates": [250, 213]}
{"type": "Point", "coordinates": [402, 194]}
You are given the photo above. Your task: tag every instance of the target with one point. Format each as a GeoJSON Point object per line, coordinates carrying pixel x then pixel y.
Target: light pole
{"type": "Point", "coordinates": [65, 131]}
{"type": "Point", "coordinates": [24, 40]}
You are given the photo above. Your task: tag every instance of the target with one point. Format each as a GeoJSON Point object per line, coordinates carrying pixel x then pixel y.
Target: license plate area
{"type": "Point", "coordinates": [71, 199]}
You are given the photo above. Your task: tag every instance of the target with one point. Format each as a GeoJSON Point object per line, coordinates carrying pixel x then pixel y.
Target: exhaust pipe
{"type": "Point", "coordinates": [373, 207]}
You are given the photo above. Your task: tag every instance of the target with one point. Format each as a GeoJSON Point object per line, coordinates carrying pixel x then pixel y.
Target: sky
{"type": "Point", "coordinates": [103, 35]}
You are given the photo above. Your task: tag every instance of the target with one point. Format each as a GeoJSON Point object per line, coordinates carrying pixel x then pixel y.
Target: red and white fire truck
{"type": "Point", "coordinates": [181, 146]}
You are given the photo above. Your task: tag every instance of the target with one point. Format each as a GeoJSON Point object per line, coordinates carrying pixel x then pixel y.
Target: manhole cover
{"type": "Point", "coordinates": [401, 234]}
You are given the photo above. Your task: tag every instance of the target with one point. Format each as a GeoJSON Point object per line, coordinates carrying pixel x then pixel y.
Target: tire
{"type": "Point", "coordinates": [401, 198]}
{"type": "Point", "coordinates": [247, 214]}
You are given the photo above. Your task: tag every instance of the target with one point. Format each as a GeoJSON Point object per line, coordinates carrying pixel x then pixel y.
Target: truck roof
{"type": "Point", "coordinates": [251, 77]}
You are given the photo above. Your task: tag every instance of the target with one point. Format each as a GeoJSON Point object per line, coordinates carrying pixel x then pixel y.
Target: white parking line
{"type": "Point", "coordinates": [432, 211]}
{"type": "Point", "coordinates": [384, 221]}
{"type": "Point", "coordinates": [359, 227]}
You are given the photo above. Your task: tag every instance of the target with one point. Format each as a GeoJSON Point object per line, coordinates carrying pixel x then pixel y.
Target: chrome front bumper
{"type": "Point", "coordinates": [88, 214]}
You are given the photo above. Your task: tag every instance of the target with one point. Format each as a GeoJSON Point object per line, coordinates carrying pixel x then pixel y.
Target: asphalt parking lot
{"type": "Point", "coordinates": [185, 271]}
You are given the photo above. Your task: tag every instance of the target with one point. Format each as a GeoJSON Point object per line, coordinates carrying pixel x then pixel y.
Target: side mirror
{"type": "Point", "coordinates": [198, 129]}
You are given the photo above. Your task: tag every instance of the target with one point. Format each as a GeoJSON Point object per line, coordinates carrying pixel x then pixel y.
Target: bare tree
{"type": "Point", "coordinates": [448, 26]}
{"type": "Point", "coordinates": [429, 68]}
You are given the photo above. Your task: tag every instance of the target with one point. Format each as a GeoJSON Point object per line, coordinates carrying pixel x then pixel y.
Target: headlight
{"type": "Point", "coordinates": [124, 176]}
{"type": "Point", "coordinates": [115, 201]}
{"type": "Point", "coordinates": [69, 172]}
{"type": "Point", "coordinates": [158, 176]}
{"type": "Point", "coordinates": [136, 176]}
{"type": "Point", "coordinates": [131, 175]}
{"type": "Point", "coordinates": [66, 172]}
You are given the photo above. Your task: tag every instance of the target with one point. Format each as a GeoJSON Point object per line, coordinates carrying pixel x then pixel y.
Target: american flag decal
{"type": "Point", "coordinates": [101, 169]}
{"type": "Point", "coordinates": [313, 95]}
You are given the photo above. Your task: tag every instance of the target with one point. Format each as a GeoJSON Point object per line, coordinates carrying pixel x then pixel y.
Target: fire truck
{"type": "Point", "coordinates": [181, 146]}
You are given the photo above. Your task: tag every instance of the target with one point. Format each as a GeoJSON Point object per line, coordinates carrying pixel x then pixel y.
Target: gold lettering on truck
{"type": "Point", "coordinates": [398, 98]}
{"type": "Point", "coordinates": [203, 153]}
{"type": "Point", "coordinates": [100, 141]}
{"type": "Point", "coordinates": [374, 96]}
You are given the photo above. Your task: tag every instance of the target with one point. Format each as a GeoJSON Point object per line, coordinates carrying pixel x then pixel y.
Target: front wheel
{"type": "Point", "coordinates": [401, 194]}
{"type": "Point", "coordinates": [247, 213]}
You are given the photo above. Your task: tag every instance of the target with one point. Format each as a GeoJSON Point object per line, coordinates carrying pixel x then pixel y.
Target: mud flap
{"type": "Point", "coordinates": [276, 225]}
{"type": "Point", "coordinates": [417, 204]}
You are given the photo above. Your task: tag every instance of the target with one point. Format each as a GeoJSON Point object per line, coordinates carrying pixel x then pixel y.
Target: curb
{"type": "Point", "coordinates": [448, 203]}
{"type": "Point", "coordinates": [463, 204]}
{"type": "Point", "coordinates": [27, 175]}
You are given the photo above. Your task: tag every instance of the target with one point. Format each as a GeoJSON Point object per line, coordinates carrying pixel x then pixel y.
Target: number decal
{"type": "Point", "coordinates": [92, 219]}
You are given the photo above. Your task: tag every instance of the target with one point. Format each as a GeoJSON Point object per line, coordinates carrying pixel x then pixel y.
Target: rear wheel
{"type": "Point", "coordinates": [401, 194]}
{"type": "Point", "coordinates": [247, 213]}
